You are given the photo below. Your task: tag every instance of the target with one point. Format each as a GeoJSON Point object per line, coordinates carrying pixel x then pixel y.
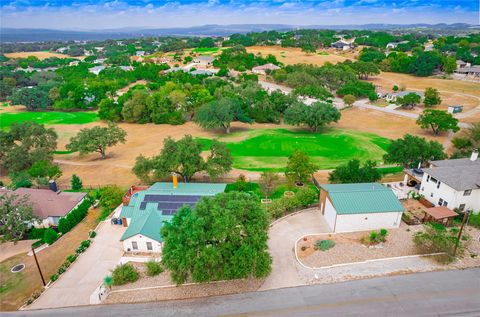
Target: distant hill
{"type": "Point", "coordinates": [40, 35]}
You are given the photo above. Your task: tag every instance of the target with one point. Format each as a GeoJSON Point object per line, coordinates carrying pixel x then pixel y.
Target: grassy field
{"type": "Point", "coordinates": [48, 118]}
{"type": "Point", "coordinates": [269, 149]}
{"type": "Point", "coordinates": [40, 55]}
{"type": "Point", "coordinates": [202, 50]}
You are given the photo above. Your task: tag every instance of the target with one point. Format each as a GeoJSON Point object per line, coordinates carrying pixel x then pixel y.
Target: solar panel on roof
{"type": "Point", "coordinates": [143, 205]}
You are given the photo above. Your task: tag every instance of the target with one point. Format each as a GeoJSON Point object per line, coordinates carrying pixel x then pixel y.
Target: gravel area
{"type": "Point", "coordinates": [348, 247]}
{"type": "Point", "coordinates": [131, 293]}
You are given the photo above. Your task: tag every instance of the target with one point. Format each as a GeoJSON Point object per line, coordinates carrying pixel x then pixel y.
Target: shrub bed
{"type": "Point", "coordinates": [153, 268]}
{"type": "Point", "coordinates": [124, 274]}
{"type": "Point", "coordinates": [67, 223]}
{"type": "Point", "coordinates": [304, 197]}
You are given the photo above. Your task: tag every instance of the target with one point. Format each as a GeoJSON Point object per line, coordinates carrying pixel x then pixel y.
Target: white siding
{"type": "Point", "coordinates": [330, 214]}
{"type": "Point", "coordinates": [368, 221]}
{"type": "Point", "coordinates": [453, 197]}
{"type": "Point", "coordinates": [142, 244]}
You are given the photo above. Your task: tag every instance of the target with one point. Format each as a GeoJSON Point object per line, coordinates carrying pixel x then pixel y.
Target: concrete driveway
{"type": "Point", "coordinates": [282, 237]}
{"type": "Point", "coordinates": [75, 286]}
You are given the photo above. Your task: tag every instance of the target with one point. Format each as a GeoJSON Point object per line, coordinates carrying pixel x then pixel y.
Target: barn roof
{"type": "Point", "coordinates": [362, 198]}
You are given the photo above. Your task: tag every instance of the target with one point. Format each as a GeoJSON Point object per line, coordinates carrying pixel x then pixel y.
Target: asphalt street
{"type": "Point", "coordinates": [444, 293]}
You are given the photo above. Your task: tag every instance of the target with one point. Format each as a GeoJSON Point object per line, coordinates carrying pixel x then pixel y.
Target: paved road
{"type": "Point", "coordinates": [445, 293]}
{"type": "Point", "coordinates": [77, 285]}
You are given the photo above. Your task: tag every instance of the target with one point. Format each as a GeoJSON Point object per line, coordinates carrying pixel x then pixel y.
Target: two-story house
{"type": "Point", "coordinates": [453, 183]}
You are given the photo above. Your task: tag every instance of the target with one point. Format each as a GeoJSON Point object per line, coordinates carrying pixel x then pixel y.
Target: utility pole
{"type": "Point", "coordinates": [38, 266]}
{"type": "Point", "coordinates": [465, 217]}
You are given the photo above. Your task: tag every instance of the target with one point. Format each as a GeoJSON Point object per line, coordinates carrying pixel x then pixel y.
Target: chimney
{"type": "Point", "coordinates": [175, 180]}
{"type": "Point", "coordinates": [474, 156]}
{"type": "Point", "coordinates": [53, 185]}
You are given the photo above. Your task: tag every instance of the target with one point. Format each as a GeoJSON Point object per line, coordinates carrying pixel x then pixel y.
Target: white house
{"type": "Point", "coordinates": [392, 97]}
{"type": "Point", "coordinates": [145, 210]}
{"type": "Point", "coordinates": [96, 69]}
{"type": "Point", "coordinates": [360, 207]}
{"type": "Point", "coordinates": [49, 206]}
{"type": "Point", "coordinates": [342, 45]}
{"type": "Point", "coordinates": [395, 44]}
{"type": "Point", "coordinates": [262, 69]}
{"type": "Point", "coordinates": [453, 183]}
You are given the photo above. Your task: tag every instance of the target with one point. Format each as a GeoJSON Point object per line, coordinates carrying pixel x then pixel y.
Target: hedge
{"type": "Point", "coordinates": [67, 223]}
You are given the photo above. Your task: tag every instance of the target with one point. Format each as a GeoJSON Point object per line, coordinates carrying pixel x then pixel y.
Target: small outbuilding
{"type": "Point", "coordinates": [440, 214]}
{"type": "Point", "coordinates": [359, 207]}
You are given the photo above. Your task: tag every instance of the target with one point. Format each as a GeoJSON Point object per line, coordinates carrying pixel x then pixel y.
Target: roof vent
{"type": "Point", "coordinates": [474, 156]}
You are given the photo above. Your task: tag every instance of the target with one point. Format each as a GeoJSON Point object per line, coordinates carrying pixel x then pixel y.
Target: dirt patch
{"type": "Point", "coordinates": [126, 88]}
{"type": "Point", "coordinates": [294, 55]}
{"type": "Point", "coordinates": [16, 289]}
{"type": "Point", "coordinates": [348, 247]}
{"type": "Point", "coordinates": [41, 55]}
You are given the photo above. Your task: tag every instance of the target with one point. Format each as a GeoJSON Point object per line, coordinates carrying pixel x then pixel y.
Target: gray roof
{"type": "Point", "coordinates": [460, 174]}
{"type": "Point", "coordinates": [204, 58]}
{"type": "Point", "coordinates": [406, 92]}
{"type": "Point", "coordinates": [473, 69]}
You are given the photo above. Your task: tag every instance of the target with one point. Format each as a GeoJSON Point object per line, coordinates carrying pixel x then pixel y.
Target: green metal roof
{"type": "Point", "coordinates": [362, 198]}
{"type": "Point", "coordinates": [149, 221]}
{"type": "Point", "coordinates": [148, 226]}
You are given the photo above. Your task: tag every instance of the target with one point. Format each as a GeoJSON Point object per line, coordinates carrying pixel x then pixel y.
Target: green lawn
{"type": "Point", "coordinates": [262, 150]}
{"type": "Point", "coordinates": [205, 50]}
{"type": "Point", "coordinates": [47, 117]}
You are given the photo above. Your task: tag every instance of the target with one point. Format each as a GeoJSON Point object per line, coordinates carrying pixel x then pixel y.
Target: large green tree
{"type": "Point", "coordinates": [299, 168]}
{"type": "Point", "coordinates": [409, 101]}
{"type": "Point", "coordinates": [219, 161]}
{"type": "Point", "coordinates": [315, 116]}
{"type": "Point", "coordinates": [15, 217]}
{"type": "Point", "coordinates": [24, 144]}
{"type": "Point", "coordinates": [34, 98]}
{"type": "Point", "coordinates": [411, 150]}
{"type": "Point", "coordinates": [467, 141]}
{"type": "Point", "coordinates": [215, 114]}
{"type": "Point", "coordinates": [432, 97]}
{"type": "Point", "coordinates": [97, 139]}
{"type": "Point", "coordinates": [438, 121]}
{"type": "Point", "coordinates": [354, 172]}
{"type": "Point", "coordinates": [224, 237]}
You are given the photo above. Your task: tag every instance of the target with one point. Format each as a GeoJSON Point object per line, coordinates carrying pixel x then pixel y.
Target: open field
{"type": "Point", "coordinates": [49, 118]}
{"type": "Point", "coordinates": [40, 55]}
{"type": "Point", "coordinates": [269, 149]}
{"type": "Point", "coordinates": [453, 92]}
{"type": "Point", "coordinates": [16, 288]}
{"type": "Point", "coordinates": [294, 55]}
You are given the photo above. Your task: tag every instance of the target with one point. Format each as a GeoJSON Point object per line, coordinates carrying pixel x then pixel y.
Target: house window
{"type": "Point", "coordinates": [134, 245]}
{"type": "Point", "coordinates": [433, 180]}
{"type": "Point", "coordinates": [461, 207]}
{"type": "Point", "coordinates": [468, 192]}
{"type": "Point", "coordinates": [428, 178]}
{"type": "Point", "coordinates": [149, 246]}
{"type": "Point", "coordinates": [438, 185]}
{"type": "Point", "coordinates": [431, 194]}
{"type": "Point", "coordinates": [440, 201]}
{"type": "Point", "coordinates": [445, 203]}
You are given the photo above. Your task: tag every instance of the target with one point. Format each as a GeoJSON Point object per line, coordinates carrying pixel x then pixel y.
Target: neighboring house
{"type": "Point", "coordinates": [204, 60]}
{"type": "Point", "coordinates": [99, 61]}
{"type": "Point", "coordinates": [145, 211]}
{"type": "Point", "coordinates": [96, 69]}
{"type": "Point", "coordinates": [202, 72]}
{"type": "Point", "coordinates": [140, 53]}
{"type": "Point", "coordinates": [453, 183]}
{"type": "Point", "coordinates": [47, 205]}
{"type": "Point", "coordinates": [462, 64]}
{"type": "Point", "coordinates": [359, 207]}
{"type": "Point", "coordinates": [126, 68]}
{"type": "Point", "coordinates": [263, 68]}
{"type": "Point", "coordinates": [392, 97]}
{"type": "Point", "coordinates": [173, 69]}
{"type": "Point", "coordinates": [74, 63]}
{"type": "Point", "coordinates": [395, 44]}
{"type": "Point", "coordinates": [469, 72]}
{"type": "Point", "coordinates": [342, 45]}
{"type": "Point", "coordinates": [61, 50]}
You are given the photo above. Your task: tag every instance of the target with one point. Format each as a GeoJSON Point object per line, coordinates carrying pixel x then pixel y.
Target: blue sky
{"type": "Point", "coordinates": [107, 14]}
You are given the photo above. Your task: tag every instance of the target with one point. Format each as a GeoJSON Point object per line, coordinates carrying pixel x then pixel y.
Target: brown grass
{"type": "Point", "coordinates": [28, 281]}
{"type": "Point", "coordinates": [294, 55]}
{"type": "Point", "coordinates": [453, 92]}
{"type": "Point", "coordinates": [40, 55]}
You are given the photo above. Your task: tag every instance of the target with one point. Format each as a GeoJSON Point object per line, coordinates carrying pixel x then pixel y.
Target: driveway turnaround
{"type": "Point", "coordinates": [282, 237]}
{"type": "Point", "coordinates": [445, 293]}
{"type": "Point", "coordinates": [75, 286]}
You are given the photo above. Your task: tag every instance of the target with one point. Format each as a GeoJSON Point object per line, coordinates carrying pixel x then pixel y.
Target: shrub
{"type": "Point", "coordinates": [153, 268]}
{"type": "Point", "coordinates": [474, 220]}
{"type": "Point", "coordinates": [375, 237]}
{"type": "Point", "coordinates": [79, 250]}
{"type": "Point", "coordinates": [50, 236]}
{"type": "Point", "coordinates": [37, 243]}
{"type": "Point", "coordinates": [76, 182]}
{"type": "Point", "coordinates": [435, 240]}
{"type": "Point", "coordinates": [36, 233]}
{"type": "Point", "coordinates": [64, 225]}
{"type": "Point", "coordinates": [66, 264]}
{"type": "Point", "coordinates": [124, 274]}
{"type": "Point", "coordinates": [85, 244]}
{"type": "Point", "coordinates": [383, 232]}
{"type": "Point", "coordinates": [71, 258]}
{"type": "Point", "coordinates": [92, 234]}
{"type": "Point", "coordinates": [107, 281]}
{"type": "Point", "coordinates": [324, 245]}
{"type": "Point", "coordinates": [54, 277]}
{"type": "Point", "coordinates": [61, 270]}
